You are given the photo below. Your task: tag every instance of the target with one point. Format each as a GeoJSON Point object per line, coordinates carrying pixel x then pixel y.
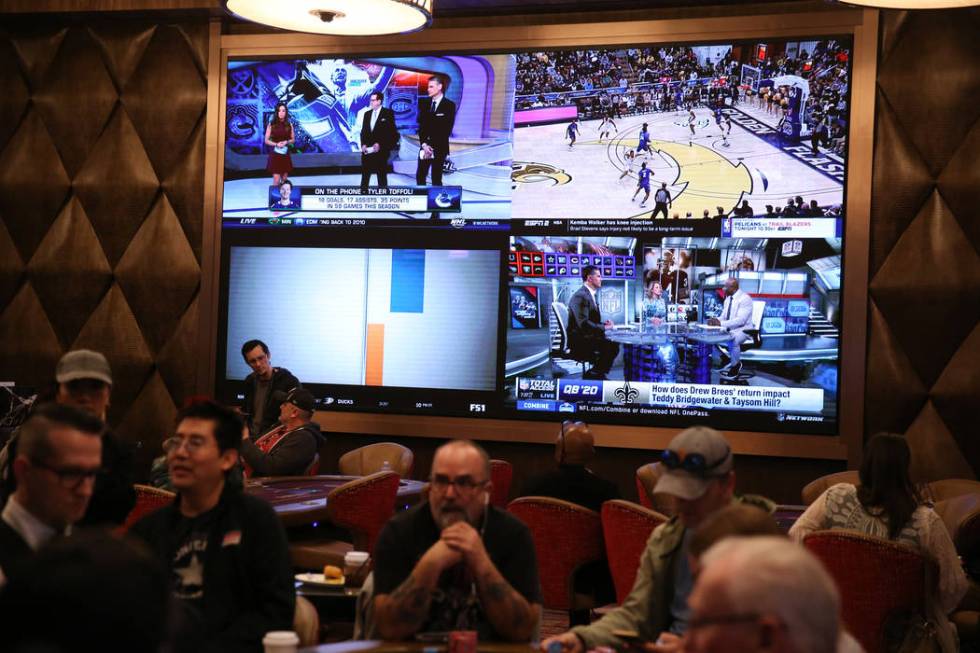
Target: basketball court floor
{"type": "Point", "coordinates": [702, 171]}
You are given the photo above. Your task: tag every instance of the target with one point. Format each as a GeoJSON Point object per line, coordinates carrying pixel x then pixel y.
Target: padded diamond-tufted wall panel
{"type": "Point", "coordinates": [923, 373]}
{"type": "Point", "coordinates": [101, 194]}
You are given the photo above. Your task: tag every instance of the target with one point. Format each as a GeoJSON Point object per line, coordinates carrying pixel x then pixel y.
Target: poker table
{"type": "Point", "coordinates": [376, 646]}
{"type": "Point", "coordinates": [302, 500]}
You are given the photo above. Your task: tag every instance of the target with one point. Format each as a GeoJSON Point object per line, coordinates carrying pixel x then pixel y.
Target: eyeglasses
{"type": "Point", "coordinates": [694, 463]}
{"type": "Point", "coordinates": [737, 618]}
{"type": "Point", "coordinates": [192, 444]}
{"type": "Point", "coordinates": [464, 484]}
{"type": "Point", "coordinates": [70, 478]}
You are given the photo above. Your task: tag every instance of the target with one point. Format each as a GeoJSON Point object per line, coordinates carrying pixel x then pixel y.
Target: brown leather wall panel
{"type": "Point", "coordinates": [101, 193]}
{"type": "Point", "coordinates": [924, 287]}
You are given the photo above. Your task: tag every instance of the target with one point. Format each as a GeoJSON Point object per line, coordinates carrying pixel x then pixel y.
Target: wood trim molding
{"type": "Point", "coordinates": [211, 227]}
{"type": "Point", "coordinates": [857, 236]}
{"type": "Point", "coordinates": [626, 437]}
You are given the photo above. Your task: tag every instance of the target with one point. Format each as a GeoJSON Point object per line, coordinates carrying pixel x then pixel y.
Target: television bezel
{"type": "Point", "coordinates": [516, 33]}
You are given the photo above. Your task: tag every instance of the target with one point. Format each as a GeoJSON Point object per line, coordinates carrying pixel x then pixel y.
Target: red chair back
{"type": "Point", "coordinates": [875, 577]}
{"type": "Point", "coordinates": [501, 474]}
{"type": "Point", "coordinates": [641, 492]}
{"type": "Point", "coordinates": [626, 527]}
{"type": "Point", "coordinates": [363, 506]}
{"type": "Point", "coordinates": [566, 536]}
{"type": "Point", "coordinates": [149, 499]}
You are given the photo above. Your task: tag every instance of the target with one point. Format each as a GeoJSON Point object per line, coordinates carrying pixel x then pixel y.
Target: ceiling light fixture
{"type": "Point", "coordinates": [913, 4]}
{"type": "Point", "coordinates": [337, 17]}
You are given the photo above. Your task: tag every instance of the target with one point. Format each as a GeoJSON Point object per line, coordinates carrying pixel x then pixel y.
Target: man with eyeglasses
{"type": "Point", "coordinates": [763, 594]}
{"type": "Point", "coordinates": [226, 551]}
{"type": "Point", "coordinates": [699, 474]}
{"type": "Point", "coordinates": [264, 388]}
{"type": "Point", "coordinates": [58, 456]}
{"type": "Point", "coordinates": [456, 562]}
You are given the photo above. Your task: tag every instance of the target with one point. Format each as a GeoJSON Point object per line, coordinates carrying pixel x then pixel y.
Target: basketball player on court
{"type": "Point", "coordinates": [643, 184]}
{"type": "Point", "coordinates": [691, 119]}
{"type": "Point", "coordinates": [606, 128]}
{"type": "Point", "coordinates": [644, 144]}
{"type": "Point", "coordinates": [571, 132]}
{"type": "Point", "coordinates": [629, 159]}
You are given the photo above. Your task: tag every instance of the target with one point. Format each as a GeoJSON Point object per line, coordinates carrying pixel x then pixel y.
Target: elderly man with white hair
{"type": "Point", "coordinates": [763, 594]}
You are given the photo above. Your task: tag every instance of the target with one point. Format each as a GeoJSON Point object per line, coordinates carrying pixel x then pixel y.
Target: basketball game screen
{"type": "Point", "coordinates": [647, 235]}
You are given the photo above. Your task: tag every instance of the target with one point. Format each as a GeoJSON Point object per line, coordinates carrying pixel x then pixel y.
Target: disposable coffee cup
{"type": "Point", "coordinates": [354, 564]}
{"type": "Point", "coordinates": [280, 641]}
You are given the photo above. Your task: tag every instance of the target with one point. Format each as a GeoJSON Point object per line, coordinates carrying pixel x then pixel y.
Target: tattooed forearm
{"type": "Point", "coordinates": [498, 591]}
{"type": "Point", "coordinates": [410, 602]}
{"type": "Point", "coordinates": [512, 616]}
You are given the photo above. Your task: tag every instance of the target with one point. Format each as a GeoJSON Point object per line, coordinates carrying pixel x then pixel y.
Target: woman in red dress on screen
{"type": "Point", "coordinates": [279, 136]}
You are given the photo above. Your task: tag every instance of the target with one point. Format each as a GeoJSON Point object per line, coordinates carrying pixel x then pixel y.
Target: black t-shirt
{"type": "Point", "coordinates": [190, 547]}
{"type": "Point", "coordinates": [455, 604]}
{"type": "Point", "coordinates": [572, 483]}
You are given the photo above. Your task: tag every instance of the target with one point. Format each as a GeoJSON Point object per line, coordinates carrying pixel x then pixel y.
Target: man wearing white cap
{"type": "Point", "coordinates": [699, 474]}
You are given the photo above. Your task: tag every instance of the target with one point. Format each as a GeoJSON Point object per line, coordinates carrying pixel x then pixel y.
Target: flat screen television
{"type": "Point", "coordinates": [447, 285]}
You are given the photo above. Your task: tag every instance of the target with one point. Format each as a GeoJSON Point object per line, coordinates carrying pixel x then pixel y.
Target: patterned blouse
{"type": "Point", "coordinates": [839, 508]}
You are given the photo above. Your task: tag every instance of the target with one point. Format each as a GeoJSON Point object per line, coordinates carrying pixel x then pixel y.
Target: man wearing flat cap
{"type": "Point", "coordinates": [699, 474]}
{"type": "Point", "coordinates": [289, 448]}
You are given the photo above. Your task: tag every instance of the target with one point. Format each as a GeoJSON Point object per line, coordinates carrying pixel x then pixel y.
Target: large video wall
{"type": "Point", "coordinates": [635, 235]}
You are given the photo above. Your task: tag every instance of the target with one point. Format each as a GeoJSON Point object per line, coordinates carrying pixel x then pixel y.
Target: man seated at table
{"type": "Point", "coordinates": [456, 562]}
{"type": "Point", "coordinates": [57, 460]}
{"type": "Point", "coordinates": [699, 473]}
{"type": "Point", "coordinates": [225, 550]}
{"type": "Point", "coordinates": [587, 329]}
{"type": "Point", "coordinates": [572, 481]}
{"type": "Point", "coordinates": [736, 316]}
{"type": "Point", "coordinates": [289, 448]}
{"type": "Point", "coordinates": [764, 593]}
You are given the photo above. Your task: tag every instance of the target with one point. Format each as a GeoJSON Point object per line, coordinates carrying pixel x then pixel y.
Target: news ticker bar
{"type": "Point", "coordinates": [399, 199]}
{"type": "Point", "coordinates": [782, 228]}
{"type": "Point", "coordinates": [561, 395]}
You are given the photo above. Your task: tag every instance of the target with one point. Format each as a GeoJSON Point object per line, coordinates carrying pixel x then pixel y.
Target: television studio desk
{"type": "Point", "coordinates": [302, 500]}
{"type": "Point", "coordinates": [377, 646]}
{"type": "Point", "coordinates": [671, 352]}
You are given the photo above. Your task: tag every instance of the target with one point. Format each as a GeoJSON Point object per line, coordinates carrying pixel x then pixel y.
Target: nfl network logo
{"type": "Point", "coordinates": [458, 223]}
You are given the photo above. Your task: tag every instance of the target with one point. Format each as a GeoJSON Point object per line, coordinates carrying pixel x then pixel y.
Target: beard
{"type": "Point", "coordinates": [449, 515]}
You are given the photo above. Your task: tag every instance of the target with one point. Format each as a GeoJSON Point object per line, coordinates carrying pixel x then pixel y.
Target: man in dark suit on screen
{"type": "Point", "coordinates": [436, 119]}
{"type": "Point", "coordinates": [587, 330]}
{"type": "Point", "coordinates": [379, 135]}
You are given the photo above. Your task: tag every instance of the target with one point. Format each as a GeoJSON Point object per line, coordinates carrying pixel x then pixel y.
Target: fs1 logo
{"type": "Point", "coordinates": [478, 408]}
